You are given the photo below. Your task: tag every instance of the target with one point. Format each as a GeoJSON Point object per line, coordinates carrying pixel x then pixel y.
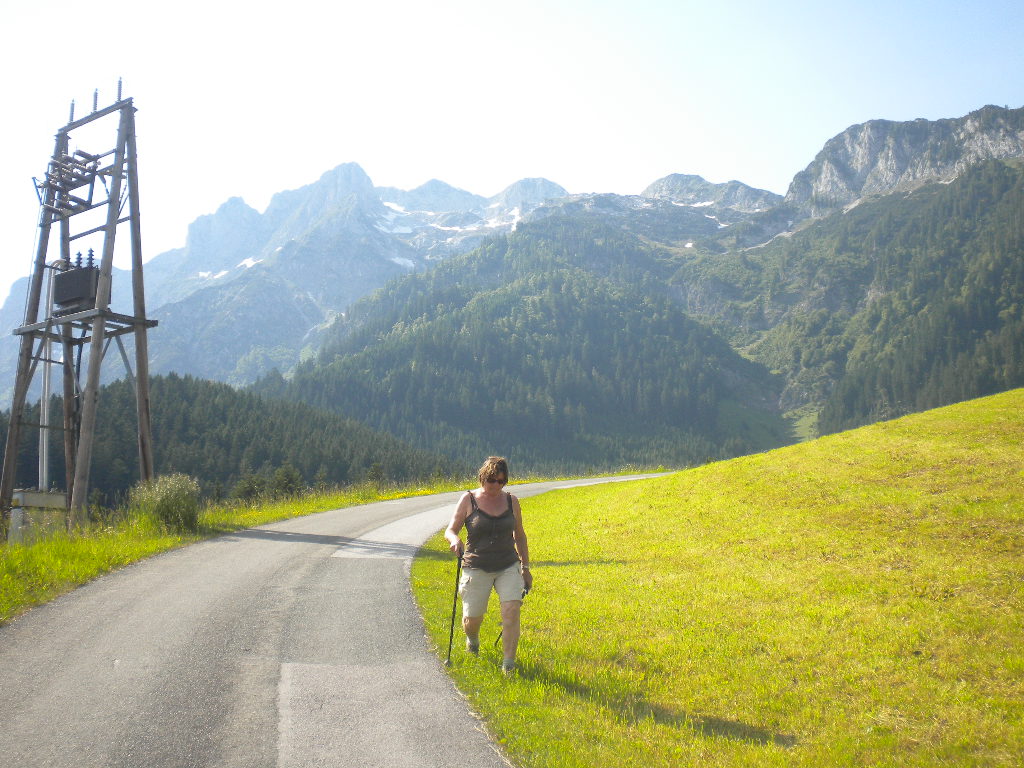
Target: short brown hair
{"type": "Point", "coordinates": [494, 467]}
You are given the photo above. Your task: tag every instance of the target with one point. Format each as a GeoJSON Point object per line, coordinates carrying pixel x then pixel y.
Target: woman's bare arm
{"type": "Point", "coordinates": [455, 526]}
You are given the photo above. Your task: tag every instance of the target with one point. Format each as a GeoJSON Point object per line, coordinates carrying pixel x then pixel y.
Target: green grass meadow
{"type": "Point", "coordinates": [857, 600]}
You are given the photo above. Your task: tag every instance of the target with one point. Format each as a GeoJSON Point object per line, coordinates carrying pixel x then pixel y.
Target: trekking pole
{"type": "Point", "coordinates": [455, 600]}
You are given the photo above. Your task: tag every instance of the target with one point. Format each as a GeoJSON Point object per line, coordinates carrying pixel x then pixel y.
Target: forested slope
{"type": "Point", "coordinates": [555, 345]}
{"type": "Point", "coordinates": [900, 304]}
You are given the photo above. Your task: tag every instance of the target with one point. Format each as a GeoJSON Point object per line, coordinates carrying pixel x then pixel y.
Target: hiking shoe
{"type": "Point", "coordinates": [508, 668]}
{"type": "Point", "coordinates": [472, 647]}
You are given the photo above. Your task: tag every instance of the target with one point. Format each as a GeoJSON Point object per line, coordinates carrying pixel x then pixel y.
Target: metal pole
{"type": "Point", "coordinates": [70, 408]}
{"type": "Point", "coordinates": [145, 437]}
{"type": "Point", "coordinates": [70, 380]}
{"type": "Point", "coordinates": [44, 399]}
{"type": "Point", "coordinates": [22, 380]}
{"type": "Point", "coordinates": [91, 393]}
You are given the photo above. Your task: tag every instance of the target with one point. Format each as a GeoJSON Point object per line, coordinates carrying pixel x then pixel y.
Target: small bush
{"type": "Point", "coordinates": [171, 499]}
{"type": "Point", "coordinates": [249, 487]}
{"type": "Point", "coordinates": [287, 481]}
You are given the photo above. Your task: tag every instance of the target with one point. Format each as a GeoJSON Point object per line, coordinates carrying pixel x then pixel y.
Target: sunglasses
{"type": "Point", "coordinates": [498, 480]}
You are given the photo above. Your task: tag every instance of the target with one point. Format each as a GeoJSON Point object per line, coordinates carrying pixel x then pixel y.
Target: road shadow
{"type": "Point", "coordinates": [352, 546]}
{"type": "Point", "coordinates": [371, 548]}
{"type": "Point", "coordinates": [637, 708]}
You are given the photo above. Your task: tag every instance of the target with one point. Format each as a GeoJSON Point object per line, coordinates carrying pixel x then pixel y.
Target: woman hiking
{"type": "Point", "coordinates": [495, 556]}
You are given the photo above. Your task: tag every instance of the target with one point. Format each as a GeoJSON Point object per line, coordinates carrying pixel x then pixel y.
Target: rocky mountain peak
{"type": "Point", "coordinates": [221, 228]}
{"type": "Point", "coordinates": [688, 189]}
{"type": "Point", "coordinates": [346, 178]}
{"type": "Point", "coordinates": [435, 196]}
{"type": "Point", "coordinates": [527, 194]}
{"type": "Point", "coordinates": [331, 189]}
{"type": "Point", "coordinates": [215, 245]}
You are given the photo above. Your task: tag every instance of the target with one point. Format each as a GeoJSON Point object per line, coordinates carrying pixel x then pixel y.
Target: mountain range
{"type": "Point", "coordinates": [250, 292]}
{"type": "Point", "coordinates": [340, 275]}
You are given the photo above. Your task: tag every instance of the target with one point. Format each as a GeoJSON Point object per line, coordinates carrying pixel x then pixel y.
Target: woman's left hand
{"type": "Point", "coordinates": [527, 579]}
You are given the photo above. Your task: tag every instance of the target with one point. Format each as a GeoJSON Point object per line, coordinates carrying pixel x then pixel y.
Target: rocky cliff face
{"type": "Point", "coordinates": [882, 156]}
{"type": "Point", "coordinates": [215, 246]}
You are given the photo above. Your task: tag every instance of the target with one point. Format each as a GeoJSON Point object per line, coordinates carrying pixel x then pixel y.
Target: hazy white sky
{"type": "Point", "coordinates": [251, 98]}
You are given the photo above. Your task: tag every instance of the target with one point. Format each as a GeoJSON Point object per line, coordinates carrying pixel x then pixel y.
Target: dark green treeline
{"type": "Point", "coordinates": [230, 441]}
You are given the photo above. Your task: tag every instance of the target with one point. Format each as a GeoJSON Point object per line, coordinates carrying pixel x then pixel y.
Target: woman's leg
{"type": "Point", "coordinates": [475, 588]}
{"type": "Point", "coordinates": [471, 626]}
{"type": "Point", "coordinates": [510, 628]}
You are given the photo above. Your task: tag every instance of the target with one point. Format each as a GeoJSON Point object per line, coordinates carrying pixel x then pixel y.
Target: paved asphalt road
{"type": "Point", "coordinates": [292, 645]}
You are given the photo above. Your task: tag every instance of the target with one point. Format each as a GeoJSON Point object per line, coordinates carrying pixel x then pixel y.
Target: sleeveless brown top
{"type": "Point", "coordinates": [489, 543]}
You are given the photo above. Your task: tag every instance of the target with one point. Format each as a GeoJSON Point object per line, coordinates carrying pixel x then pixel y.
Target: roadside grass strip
{"type": "Point", "coordinates": [31, 574]}
{"type": "Point", "coordinates": [857, 600]}
{"type": "Point", "coordinates": [34, 573]}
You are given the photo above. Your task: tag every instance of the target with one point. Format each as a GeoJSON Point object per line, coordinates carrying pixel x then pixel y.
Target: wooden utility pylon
{"type": "Point", "coordinates": [85, 196]}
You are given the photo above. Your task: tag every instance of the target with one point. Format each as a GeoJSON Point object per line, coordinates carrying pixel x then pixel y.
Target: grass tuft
{"type": "Point", "coordinates": [171, 499]}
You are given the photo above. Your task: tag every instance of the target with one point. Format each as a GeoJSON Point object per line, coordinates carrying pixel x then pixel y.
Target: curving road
{"type": "Point", "coordinates": [293, 645]}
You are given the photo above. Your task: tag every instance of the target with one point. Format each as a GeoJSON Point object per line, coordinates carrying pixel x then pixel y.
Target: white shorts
{"type": "Point", "coordinates": [475, 587]}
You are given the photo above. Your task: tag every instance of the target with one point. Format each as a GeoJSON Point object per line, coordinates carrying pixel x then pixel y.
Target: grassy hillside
{"type": "Point", "coordinates": [855, 600]}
